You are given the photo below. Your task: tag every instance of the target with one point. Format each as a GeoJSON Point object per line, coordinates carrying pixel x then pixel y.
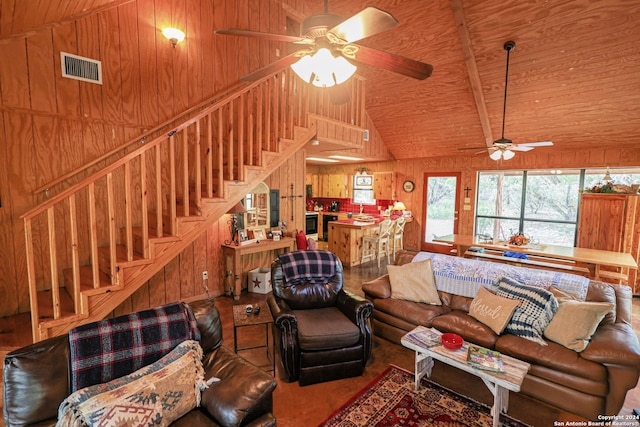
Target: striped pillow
{"type": "Point", "coordinates": [536, 309]}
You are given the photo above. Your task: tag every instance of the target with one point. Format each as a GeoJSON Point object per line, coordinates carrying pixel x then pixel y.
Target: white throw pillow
{"type": "Point", "coordinates": [575, 322]}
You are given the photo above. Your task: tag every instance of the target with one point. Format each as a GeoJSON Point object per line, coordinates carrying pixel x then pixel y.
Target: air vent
{"type": "Point", "coordinates": [79, 68]}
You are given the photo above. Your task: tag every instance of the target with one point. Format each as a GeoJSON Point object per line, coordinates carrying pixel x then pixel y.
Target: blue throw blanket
{"type": "Point", "coordinates": [305, 265]}
{"type": "Point", "coordinates": [112, 348]}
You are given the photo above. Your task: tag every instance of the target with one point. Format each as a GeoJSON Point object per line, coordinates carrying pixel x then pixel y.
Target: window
{"type": "Point", "coordinates": [543, 204]}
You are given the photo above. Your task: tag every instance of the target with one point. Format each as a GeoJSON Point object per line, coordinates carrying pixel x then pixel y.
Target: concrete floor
{"type": "Point", "coordinates": [310, 405]}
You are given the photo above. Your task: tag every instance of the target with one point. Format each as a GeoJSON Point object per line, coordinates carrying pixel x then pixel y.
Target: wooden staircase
{"type": "Point", "coordinates": [95, 243]}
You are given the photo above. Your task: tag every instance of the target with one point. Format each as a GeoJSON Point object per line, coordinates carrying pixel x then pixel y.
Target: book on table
{"type": "Point", "coordinates": [484, 358]}
{"type": "Point", "coordinates": [425, 337]}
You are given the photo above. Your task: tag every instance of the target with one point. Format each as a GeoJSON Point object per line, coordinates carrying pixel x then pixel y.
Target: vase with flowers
{"type": "Point", "coordinates": [519, 239]}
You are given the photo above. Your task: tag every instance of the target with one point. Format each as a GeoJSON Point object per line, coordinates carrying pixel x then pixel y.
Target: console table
{"type": "Point", "coordinates": [232, 259]}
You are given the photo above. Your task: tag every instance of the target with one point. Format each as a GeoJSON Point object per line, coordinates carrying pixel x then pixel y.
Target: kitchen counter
{"type": "Point", "coordinates": [345, 238]}
{"type": "Point", "coordinates": [357, 223]}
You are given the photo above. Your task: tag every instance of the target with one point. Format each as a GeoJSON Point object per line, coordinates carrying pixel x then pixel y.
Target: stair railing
{"type": "Point", "coordinates": [79, 241]}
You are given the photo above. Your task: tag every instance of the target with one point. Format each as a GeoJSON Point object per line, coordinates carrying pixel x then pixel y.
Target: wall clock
{"type": "Point", "coordinates": [408, 186]}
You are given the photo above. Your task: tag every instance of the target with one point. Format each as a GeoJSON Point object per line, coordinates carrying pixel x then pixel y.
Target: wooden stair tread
{"type": "Point", "coordinates": [45, 307]}
{"type": "Point", "coordinates": [121, 254]}
{"type": "Point", "coordinates": [87, 287]}
{"type": "Point", "coordinates": [152, 234]}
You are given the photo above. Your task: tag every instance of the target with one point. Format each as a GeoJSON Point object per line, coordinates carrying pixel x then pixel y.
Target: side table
{"type": "Point", "coordinates": [232, 259]}
{"type": "Point", "coordinates": [242, 319]}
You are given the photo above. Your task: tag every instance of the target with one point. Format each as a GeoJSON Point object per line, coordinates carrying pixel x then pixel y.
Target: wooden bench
{"type": "Point", "coordinates": [533, 261]}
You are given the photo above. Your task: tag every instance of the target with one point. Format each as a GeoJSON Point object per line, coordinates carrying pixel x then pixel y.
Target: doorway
{"type": "Point", "coordinates": [441, 209]}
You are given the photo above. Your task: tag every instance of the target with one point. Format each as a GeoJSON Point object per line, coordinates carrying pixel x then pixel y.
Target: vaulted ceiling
{"type": "Point", "coordinates": [574, 75]}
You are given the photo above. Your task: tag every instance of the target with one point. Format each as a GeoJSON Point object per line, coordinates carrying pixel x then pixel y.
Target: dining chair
{"type": "Point", "coordinates": [398, 235]}
{"type": "Point", "coordinates": [377, 245]}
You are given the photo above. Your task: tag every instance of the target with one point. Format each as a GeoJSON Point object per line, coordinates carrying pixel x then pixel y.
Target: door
{"type": "Point", "coordinates": [441, 209]}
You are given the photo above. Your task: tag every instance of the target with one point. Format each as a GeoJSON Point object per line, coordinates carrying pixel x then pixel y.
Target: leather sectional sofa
{"type": "Point", "coordinates": [591, 383]}
{"type": "Point", "coordinates": [36, 381]}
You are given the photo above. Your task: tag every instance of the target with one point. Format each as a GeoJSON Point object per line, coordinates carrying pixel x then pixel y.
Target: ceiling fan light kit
{"type": "Point", "coordinates": [322, 69]}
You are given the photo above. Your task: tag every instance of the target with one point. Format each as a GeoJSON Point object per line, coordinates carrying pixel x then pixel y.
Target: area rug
{"type": "Point", "coordinates": [390, 400]}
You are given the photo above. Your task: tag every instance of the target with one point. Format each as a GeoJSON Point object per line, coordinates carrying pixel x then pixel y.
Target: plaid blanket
{"type": "Point", "coordinates": [302, 265]}
{"type": "Point", "coordinates": [112, 348]}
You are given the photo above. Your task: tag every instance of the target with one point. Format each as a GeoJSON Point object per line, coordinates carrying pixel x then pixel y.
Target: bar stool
{"type": "Point", "coordinates": [398, 235]}
{"type": "Point", "coordinates": [378, 244]}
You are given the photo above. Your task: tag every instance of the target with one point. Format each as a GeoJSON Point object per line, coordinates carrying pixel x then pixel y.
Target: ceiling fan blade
{"type": "Point", "coordinates": [367, 22]}
{"type": "Point", "coordinates": [519, 147]}
{"type": "Point", "coordinates": [536, 144]}
{"type": "Point", "coordinates": [264, 36]}
{"type": "Point", "coordinates": [396, 63]}
{"type": "Point", "coordinates": [474, 148]}
{"type": "Point", "coordinates": [272, 68]}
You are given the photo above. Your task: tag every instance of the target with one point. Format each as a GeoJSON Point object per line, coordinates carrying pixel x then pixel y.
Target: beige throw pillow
{"type": "Point", "coordinates": [575, 322]}
{"type": "Point", "coordinates": [562, 295]}
{"type": "Point", "coordinates": [414, 281]}
{"type": "Point", "coordinates": [492, 310]}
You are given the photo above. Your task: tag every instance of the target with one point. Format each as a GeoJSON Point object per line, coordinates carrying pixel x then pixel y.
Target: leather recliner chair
{"type": "Point", "coordinates": [321, 332]}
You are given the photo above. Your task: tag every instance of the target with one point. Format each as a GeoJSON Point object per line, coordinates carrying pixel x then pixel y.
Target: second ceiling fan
{"type": "Point", "coordinates": [504, 148]}
{"type": "Point", "coordinates": [329, 38]}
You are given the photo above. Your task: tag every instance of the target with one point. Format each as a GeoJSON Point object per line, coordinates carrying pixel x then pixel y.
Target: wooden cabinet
{"type": "Point", "coordinates": [611, 222]}
{"type": "Point", "coordinates": [383, 185]}
{"type": "Point", "coordinates": [337, 186]}
{"type": "Point", "coordinates": [345, 240]}
{"type": "Point", "coordinates": [333, 186]}
{"type": "Point", "coordinates": [313, 179]}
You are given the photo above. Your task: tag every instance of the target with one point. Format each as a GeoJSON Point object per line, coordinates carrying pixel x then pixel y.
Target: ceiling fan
{"type": "Point", "coordinates": [337, 36]}
{"type": "Point", "coordinates": [504, 148]}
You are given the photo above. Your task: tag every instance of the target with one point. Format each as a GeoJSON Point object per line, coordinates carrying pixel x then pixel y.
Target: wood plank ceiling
{"type": "Point", "coordinates": [574, 75]}
{"type": "Point", "coordinates": [20, 17]}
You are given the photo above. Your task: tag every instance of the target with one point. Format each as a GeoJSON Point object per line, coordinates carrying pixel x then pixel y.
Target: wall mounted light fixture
{"type": "Point", "coordinates": [174, 35]}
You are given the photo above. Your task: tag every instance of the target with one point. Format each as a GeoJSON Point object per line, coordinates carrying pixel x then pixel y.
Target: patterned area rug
{"type": "Point", "coordinates": [390, 400]}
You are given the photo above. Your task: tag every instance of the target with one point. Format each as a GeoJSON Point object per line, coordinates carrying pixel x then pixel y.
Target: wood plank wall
{"type": "Point", "coordinates": [469, 165]}
{"type": "Point", "coordinates": [50, 125]}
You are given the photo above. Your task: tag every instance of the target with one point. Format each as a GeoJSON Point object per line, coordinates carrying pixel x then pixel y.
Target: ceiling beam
{"type": "Point", "coordinates": [472, 69]}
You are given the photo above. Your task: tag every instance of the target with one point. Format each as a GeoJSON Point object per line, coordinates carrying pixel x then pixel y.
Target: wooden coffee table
{"type": "Point", "coordinates": [498, 383]}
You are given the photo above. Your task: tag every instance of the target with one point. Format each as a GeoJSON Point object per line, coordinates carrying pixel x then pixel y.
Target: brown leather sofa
{"type": "Point", "coordinates": [36, 381]}
{"type": "Point", "coordinates": [591, 383]}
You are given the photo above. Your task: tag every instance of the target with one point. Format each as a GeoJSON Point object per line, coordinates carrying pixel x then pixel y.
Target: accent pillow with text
{"type": "Point", "coordinates": [492, 310]}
